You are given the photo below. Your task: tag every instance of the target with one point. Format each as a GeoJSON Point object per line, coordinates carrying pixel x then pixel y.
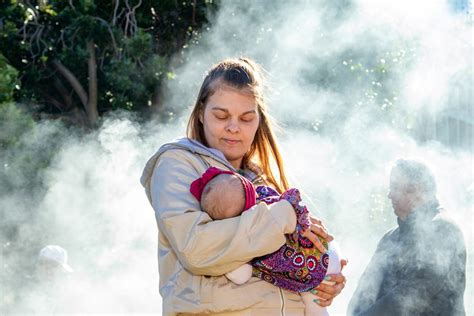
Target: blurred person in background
{"type": "Point", "coordinates": [52, 263]}
{"type": "Point", "coordinates": [48, 290]}
{"type": "Point", "coordinates": [419, 267]}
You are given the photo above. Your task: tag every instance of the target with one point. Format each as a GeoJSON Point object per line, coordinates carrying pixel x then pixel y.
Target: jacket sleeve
{"type": "Point", "coordinates": [204, 246]}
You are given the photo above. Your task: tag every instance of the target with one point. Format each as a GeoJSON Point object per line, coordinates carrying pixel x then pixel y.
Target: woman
{"type": "Point", "coordinates": [229, 128]}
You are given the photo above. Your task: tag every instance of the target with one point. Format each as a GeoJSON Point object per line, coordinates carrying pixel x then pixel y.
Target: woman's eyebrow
{"type": "Point", "coordinates": [227, 111]}
{"type": "Point", "coordinates": [250, 112]}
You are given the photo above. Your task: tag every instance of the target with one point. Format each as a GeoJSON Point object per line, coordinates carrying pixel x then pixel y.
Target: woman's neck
{"type": "Point", "coordinates": [237, 164]}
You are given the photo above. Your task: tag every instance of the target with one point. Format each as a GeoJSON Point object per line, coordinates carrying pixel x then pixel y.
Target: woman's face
{"type": "Point", "coordinates": [230, 121]}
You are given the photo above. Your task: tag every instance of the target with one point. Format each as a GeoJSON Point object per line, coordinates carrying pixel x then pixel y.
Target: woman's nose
{"type": "Point", "coordinates": [233, 127]}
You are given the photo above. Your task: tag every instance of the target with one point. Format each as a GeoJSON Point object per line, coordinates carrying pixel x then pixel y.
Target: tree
{"type": "Point", "coordinates": [83, 58]}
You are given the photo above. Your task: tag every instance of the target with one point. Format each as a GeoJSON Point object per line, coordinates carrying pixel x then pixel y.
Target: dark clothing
{"type": "Point", "coordinates": [419, 268]}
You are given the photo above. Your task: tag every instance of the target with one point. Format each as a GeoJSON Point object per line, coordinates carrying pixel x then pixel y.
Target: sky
{"type": "Point", "coordinates": [354, 85]}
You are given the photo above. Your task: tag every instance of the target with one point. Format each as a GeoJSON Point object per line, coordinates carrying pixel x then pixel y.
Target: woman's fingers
{"type": "Point", "coordinates": [332, 290]}
{"type": "Point", "coordinates": [317, 221]}
{"type": "Point", "coordinates": [322, 302]}
{"type": "Point", "coordinates": [317, 229]}
{"type": "Point", "coordinates": [344, 262]}
{"type": "Point", "coordinates": [322, 295]}
{"type": "Point", "coordinates": [315, 240]}
{"type": "Point", "coordinates": [321, 231]}
{"type": "Point", "coordinates": [327, 290]}
{"type": "Point", "coordinates": [322, 299]}
{"type": "Point", "coordinates": [338, 278]}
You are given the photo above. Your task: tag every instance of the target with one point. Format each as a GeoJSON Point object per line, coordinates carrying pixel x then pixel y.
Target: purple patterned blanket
{"type": "Point", "coordinates": [297, 266]}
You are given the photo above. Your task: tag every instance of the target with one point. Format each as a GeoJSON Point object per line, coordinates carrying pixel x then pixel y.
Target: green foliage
{"type": "Point", "coordinates": [13, 124]}
{"type": "Point", "coordinates": [8, 80]}
{"type": "Point", "coordinates": [18, 133]}
{"type": "Point", "coordinates": [128, 83]}
{"type": "Point", "coordinates": [133, 43]}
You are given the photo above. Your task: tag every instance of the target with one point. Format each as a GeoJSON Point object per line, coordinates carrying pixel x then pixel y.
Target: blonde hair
{"type": "Point", "coordinates": [243, 74]}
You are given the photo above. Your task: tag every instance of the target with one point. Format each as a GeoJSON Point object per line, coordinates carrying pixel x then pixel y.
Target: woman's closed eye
{"type": "Point", "coordinates": [243, 119]}
{"type": "Point", "coordinates": [221, 117]}
{"type": "Point", "coordinates": [247, 118]}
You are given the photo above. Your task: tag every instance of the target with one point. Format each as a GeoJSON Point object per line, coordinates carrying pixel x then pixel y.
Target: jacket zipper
{"type": "Point", "coordinates": [282, 298]}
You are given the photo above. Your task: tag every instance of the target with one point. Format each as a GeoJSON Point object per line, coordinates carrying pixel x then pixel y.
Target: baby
{"type": "Point", "coordinates": [297, 266]}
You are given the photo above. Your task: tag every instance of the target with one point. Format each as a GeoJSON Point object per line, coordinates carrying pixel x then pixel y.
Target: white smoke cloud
{"type": "Point", "coordinates": [95, 208]}
{"type": "Point", "coordinates": [324, 62]}
{"type": "Point", "coordinates": [328, 66]}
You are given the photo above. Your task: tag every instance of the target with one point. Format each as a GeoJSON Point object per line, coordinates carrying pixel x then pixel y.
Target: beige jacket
{"type": "Point", "coordinates": [194, 252]}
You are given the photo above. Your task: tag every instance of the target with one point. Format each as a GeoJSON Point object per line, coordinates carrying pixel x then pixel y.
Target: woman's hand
{"type": "Point", "coordinates": [327, 290]}
{"type": "Point", "coordinates": [333, 284]}
{"type": "Point", "coordinates": [317, 229]}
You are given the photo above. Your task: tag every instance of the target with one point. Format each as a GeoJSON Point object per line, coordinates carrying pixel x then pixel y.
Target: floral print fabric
{"type": "Point", "coordinates": [297, 266]}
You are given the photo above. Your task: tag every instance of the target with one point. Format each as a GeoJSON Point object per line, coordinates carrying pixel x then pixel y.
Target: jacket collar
{"type": "Point", "coordinates": [251, 171]}
{"type": "Point", "coordinates": [194, 147]}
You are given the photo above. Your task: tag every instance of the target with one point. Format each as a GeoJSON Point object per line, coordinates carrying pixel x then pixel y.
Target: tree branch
{"type": "Point", "coordinates": [71, 4]}
{"type": "Point", "coordinates": [114, 43]}
{"type": "Point", "coordinates": [135, 24]}
{"type": "Point", "coordinates": [130, 19]}
{"type": "Point", "coordinates": [114, 18]}
{"type": "Point", "coordinates": [64, 93]}
{"type": "Point", "coordinates": [92, 112]}
{"type": "Point", "coordinates": [194, 13]}
{"type": "Point", "coordinates": [75, 84]}
{"type": "Point", "coordinates": [52, 100]}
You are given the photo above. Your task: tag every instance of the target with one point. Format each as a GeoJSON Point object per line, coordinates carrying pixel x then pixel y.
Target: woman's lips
{"type": "Point", "coordinates": [231, 141]}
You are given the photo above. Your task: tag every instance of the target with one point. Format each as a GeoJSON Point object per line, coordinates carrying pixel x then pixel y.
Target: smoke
{"type": "Point", "coordinates": [94, 207]}
{"type": "Point", "coordinates": [355, 85]}
{"type": "Point", "coordinates": [350, 83]}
